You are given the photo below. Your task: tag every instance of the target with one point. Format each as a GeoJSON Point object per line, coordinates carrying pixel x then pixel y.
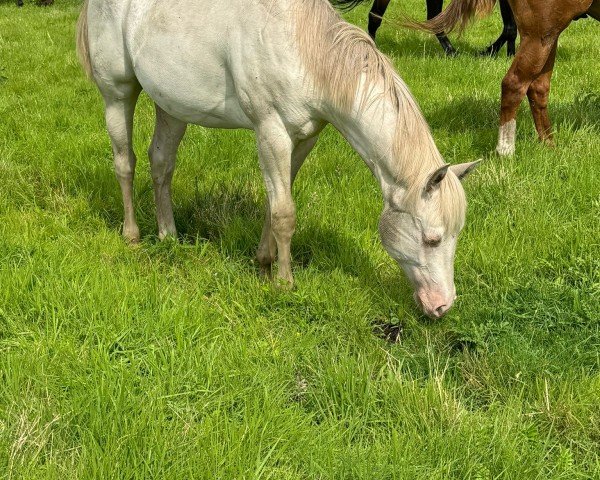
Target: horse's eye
{"type": "Point", "coordinates": [432, 241]}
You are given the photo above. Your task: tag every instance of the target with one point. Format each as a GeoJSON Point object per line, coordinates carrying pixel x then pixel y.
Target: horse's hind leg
{"type": "Point", "coordinates": [119, 111]}
{"type": "Point", "coordinates": [510, 27]}
{"type": "Point", "coordinates": [280, 219]}
{"type": "Point", "coordinates": [376, 16]}
{"type": "Point", "coordinates": [508, 35]}
{"type": "Point", "coordinates": [538, 98]}
{"type": "Point", "coordinates": [526, 67]}
{"type": "Point", "coordinates": [168, 133]}
{"type": "Point", "coordinates": [434, 8]}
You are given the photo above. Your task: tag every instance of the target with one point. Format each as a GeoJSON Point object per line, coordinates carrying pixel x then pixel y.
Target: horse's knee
{"type": "Point", "coordinates": [124, 163]}
{"type": "Point", "coordinates": [513, 90]}
{"type": "Point", "coordinates": [283, 220]}
{"type": "Point", "coordinates": [161, 164]}
{"type": "Point", "coordinates": [510, 83]}
{"type": "Point", "coordinates": [538, 93]}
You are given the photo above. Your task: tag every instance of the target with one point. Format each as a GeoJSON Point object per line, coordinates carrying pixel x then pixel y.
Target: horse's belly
{"type": "Point", "coordinates": [193, 98]}
{"type": "Point", "coordinates": [201, 93]}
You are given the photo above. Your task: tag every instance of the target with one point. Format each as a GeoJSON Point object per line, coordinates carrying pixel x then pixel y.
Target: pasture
{"type": "Point", "coordinates": [175, 360]}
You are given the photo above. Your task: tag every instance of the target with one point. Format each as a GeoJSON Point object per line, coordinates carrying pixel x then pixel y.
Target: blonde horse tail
{"type": "Point", "coordinates": [83, 51]}
{"type": "Point", "coordinates": [457, 16]}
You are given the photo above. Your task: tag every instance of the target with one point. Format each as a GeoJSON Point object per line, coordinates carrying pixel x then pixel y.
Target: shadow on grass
{"type": "Point", "coordinates": [408, 43]}
{"type": "Point", "coordinates": [467, 114]}
{"type": "Point", "coordinates": [231, 217]}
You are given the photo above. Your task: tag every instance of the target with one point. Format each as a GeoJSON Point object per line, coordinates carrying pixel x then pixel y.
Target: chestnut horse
{"type": "Point", "coordinates": [434, 8]}
{"type": "Point", "coordinates": [540, 22]}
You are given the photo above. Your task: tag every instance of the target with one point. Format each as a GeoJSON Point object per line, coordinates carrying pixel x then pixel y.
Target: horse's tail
{"type": "Point", "coordinates": [346, 4]}
{"type": "Point", "coordinates": [83, 51]}
{"type": "Point", "coordinates": [459, 13]}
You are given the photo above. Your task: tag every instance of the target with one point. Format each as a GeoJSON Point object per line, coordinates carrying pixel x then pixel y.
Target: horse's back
{"type": "Point", "coordinates": [201, 61]}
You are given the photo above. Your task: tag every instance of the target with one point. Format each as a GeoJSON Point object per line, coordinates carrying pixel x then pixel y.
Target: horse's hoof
{"type": "Point", "coordinates": [488, 52]}
{"type": "Point", "coordinates": [132, 236]}
{"type": "Point", "coordinates": [266, 271]}
{"type": "Point", "coordinates": [132, 240]}
{"type": "Point", "coordinates": [285, 284]}
{"type": "Point", "coordinates": [505, 150]}
{"type": "Point", "coordinates": [548, 142]}
{"type": "Point", "coordinates": [167, 236]}
{"type": "Point", "coordinates": [451, 52]}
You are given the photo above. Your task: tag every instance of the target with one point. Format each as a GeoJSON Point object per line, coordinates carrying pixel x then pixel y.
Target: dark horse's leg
{"type": "Point", "coordinates": [376, 16]}
{"type": "Point", "coordinates": [508, 35]}
{"type": "Point", "coordinates": [434, 8]}
{"type": "Point", "coordinates": [19, 3]}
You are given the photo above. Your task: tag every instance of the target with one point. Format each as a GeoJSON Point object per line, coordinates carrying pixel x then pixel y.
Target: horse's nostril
{"type": "Point", "coordinates": [441, 310]}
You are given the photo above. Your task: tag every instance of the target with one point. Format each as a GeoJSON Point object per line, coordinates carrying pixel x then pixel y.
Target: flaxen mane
{"type": "Point", "coordinates": [337, 56]}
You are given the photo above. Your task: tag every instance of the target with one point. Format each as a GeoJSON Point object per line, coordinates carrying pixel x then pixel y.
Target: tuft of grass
{"type": "Point", "coordinates": [174, 360]}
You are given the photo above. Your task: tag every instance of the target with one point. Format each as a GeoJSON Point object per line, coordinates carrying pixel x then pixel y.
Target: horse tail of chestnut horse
{"type": "Point", "coordinates": [83, 52]}
{"type": "Point", "coordinates": [456, 16]}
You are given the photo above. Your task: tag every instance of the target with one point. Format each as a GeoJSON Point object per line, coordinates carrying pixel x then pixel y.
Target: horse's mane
{"type": "Point", "coordinates": [339, 56]}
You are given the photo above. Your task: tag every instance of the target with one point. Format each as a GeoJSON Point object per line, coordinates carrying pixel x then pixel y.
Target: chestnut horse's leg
{"type": "Point", "coordinates": [434, 8]}
{"type": "Point", "coordinates": [508, 35]}
{"type": "Point", "coordinates": [529, 62]}
{"type": "Point", "coordinates": [267, 248]}
{"type": "Point", "coordinates": [376, 16]}
{"type": "Point", "coordinates": [538, 98]}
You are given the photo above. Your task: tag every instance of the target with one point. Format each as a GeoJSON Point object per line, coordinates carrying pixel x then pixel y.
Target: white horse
{"type": "Point", "coordinates": [283, 68]}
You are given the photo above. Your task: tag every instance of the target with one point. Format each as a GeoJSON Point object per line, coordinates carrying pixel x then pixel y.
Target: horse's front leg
{"type": "Point", "coordinates": [120, 105]}
{"type": "Point", "coordinates": [508, 35]}
{"type": "Point", "coordinates": [267, 248]}
{"type": "Point", "coordinates": [434, 8]}
{"type": "Point", "coordinates": [280, 161]}
{"type": "Point", "coordinates": [526, 67]}
{"type": "Point", "coordinates": [538, 99]}
{"type": "Point", "coordinates": [168, 133]}
{"type": "Point", "coordinates": [376, 16]}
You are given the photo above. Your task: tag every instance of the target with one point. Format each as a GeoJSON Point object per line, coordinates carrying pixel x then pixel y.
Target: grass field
{"type": "Point", "coordinates": [175, 360]}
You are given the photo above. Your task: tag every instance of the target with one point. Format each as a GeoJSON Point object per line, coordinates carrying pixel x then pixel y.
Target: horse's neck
{"type": "Point", "coordinates": [371, 132]}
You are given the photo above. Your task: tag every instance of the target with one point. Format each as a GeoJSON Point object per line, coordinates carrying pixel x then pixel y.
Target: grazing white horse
{"type": "Point", "coordinates": [283, 68]}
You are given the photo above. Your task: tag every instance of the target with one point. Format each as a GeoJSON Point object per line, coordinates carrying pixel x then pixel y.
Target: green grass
{"type": "Point", "coordinates": [176, 361]}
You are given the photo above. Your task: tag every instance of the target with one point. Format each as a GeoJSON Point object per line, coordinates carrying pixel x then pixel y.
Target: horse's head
{"type": "Point", "coordinates": [419, 229]}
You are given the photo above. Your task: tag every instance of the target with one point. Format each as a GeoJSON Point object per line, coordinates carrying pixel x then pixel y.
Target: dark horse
{"type": "Point", "coordinates": [540, 23]}
{"type": "Point", "coordinates": [42, 3]}
{"type": "Point", "coordinates": [434, 8]}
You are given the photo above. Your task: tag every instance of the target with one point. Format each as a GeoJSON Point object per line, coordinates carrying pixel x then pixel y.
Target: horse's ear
{"type": "Point", "coordinates": [463, 169]}
{"type": "Point", "coordinates": [435, 178]}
